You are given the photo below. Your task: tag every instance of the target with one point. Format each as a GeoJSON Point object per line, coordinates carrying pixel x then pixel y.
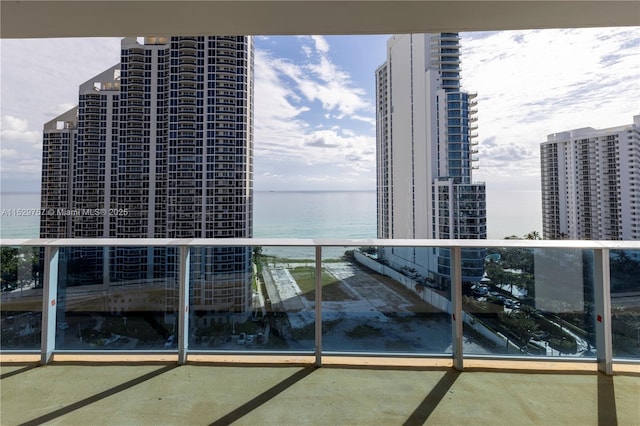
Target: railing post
{"type": "Point", "coordinates": [318, 301]}
{"type": "Point", "coordinates": [183, 304]}
{"type": "Point", "coordinates": [602, 296]}
{"type": "Point", "coordinates": [456, 307]}
{"type": "Point", "coordinates": [49, 301]}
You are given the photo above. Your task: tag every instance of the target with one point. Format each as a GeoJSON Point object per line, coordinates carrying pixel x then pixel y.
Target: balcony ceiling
{"type": "Point", "coordinates": [75, 18]}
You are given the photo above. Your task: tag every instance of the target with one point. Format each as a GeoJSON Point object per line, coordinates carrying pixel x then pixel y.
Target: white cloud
{"type": "Point", "coordinates": [16, 124]}
{"type": "Point", "coordinates": [15, 134]}
{"type": "Point", "coordinates": [20, 155]}
{"type": "Point", "coordinates": [293, 130]}
{"type": "Point", "coordinates": [8, 153]}
{"type": "Point", "coordinates": [534, 83]}
{"type": "Point", "coordinates": [529, 83]}
{"type": "Point", "coordinates": [319, 79]}
{"type": "Point", "coordinates": [321, 44]}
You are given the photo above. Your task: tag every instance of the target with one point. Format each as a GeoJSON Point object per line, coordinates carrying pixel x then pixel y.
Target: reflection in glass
{"type": "Point", "coordinates": [533, 302]}
{"type": "Point", "coordinates": [117, 298]}
{"type": "Point", "coordinates": [625, 302]}
{"type": "Point", "coordinates": [529, 302]}
{"type": "Point", "coordinates": [370, 303]}
{"type": "Point", "coordinates": [220, 296]}
{"type": "Point", "coordinates": [251, 300]}
{"type": "Point", "coordinates": [21, 303]}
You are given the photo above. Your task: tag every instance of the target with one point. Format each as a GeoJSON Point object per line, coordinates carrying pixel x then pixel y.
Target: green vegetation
{"type": "Point", "coordinates": [19, 266]}
{"type": "Point", "coordinates": [624, 272]}
{"type": "Point", "coordinates": [258, 259]}
{"type": "Point", "coordinates": [9, 265]}
{"type": "Point", "coordinates": [369, 250]}
{"type": "Point", "coordinates": [521, 324]}
{"type": "Point", "coordinates": [512, 259]}
{"type": "Point", "coordinates": [305, 277]}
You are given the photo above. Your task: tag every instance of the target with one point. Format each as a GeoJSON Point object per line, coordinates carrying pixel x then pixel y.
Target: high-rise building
{"type": "Point", "coordinates": [591, 183]}
{"type": "Point", "coordinates": [426, 146]}
{"type": "Point", "coordinates": [160, 146]}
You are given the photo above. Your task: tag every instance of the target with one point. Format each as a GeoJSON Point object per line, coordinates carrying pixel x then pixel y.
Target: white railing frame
{"type": "Point", "coordinates": [601, 275]}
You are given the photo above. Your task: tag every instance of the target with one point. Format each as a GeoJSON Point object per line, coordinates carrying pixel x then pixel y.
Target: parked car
{"type": "Point", "coordinates": [171, 342]}
{"type": "Point", "coordinates": [250, 339]}
{"type": "Point", "coordinates": [242, 338]}
{"type": "Point", "coordinates": [114, 338]}
{"type": "Point", "coordinates": [481, 290]}
{"type": "Point", "coordinates": [510, 303]}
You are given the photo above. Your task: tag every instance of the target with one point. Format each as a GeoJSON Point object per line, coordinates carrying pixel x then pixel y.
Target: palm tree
{"type": "Point", "coordinates": [533, 235]}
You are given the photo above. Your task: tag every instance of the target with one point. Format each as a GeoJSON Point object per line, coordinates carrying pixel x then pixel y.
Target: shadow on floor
{"type": "Point", "coordinates": [264, 397]}
{"type": "Point", "coordinates": [424, 410]}
{"type": "Point", "coordinates": [97, 397]}
{"type": "Point", "coordinates": [606, 401]}
{"type": "Point", "coordinates": [18, 371]}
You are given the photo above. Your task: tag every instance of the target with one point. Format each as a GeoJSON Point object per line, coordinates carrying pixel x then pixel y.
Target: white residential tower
{"type": "Point", "coordinates": [591, 183]}
{"type": "Point", "coordinates": [426, 146]}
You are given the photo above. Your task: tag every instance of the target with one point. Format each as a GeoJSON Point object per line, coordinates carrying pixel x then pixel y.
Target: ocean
{"type": "Point", "coordinates": [312, 214]}
{"type": "Point", "coordinates": [282, 214]}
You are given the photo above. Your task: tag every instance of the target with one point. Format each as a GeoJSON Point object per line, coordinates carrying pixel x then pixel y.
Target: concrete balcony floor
{"type": "Point", "coordinates": [165, 393]}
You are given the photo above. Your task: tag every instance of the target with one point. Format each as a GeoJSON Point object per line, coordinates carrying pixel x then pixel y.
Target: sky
{"type": "Point", "coordinates": [315, 102]}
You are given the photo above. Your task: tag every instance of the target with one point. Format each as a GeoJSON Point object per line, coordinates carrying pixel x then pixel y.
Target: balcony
{"type": "Point", "coordinates": [263, 394]}
{"type": "Point", "coordinates": [416, 351]}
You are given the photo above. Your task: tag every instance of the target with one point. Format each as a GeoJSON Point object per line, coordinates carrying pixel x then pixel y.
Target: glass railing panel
{"type": "Point", "coordinates": [21, 299]}
{"type": "Point", "coordinates": [288, 283]}
{"type": "Point", "coordinates": [532, 302]}
{"type": "Point", "coordinates": [384, 300]}
{"type": "Point", "coordinates": [625, 303]}
{"type": "Point", "coordinates": [221, 303]}
{"type": "Point", "coordinates": [288, 286]}
{"type": "Point", "coordinates": [259, 303]}
{"type": "Point", "coordinates": [117, 298]}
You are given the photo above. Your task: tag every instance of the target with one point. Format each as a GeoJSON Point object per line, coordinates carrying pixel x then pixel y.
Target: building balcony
{"type": "Point", "coordinates": [187, 101]}
{"type": "Point", "coordinates": [449, 84]}
{"type": "Point", "coordinates": [134, 86]}
{"type": "Point", "coordinates": [185, 123]}
{"type": "Point", "coordinates": [188, 52]}
{"type": "Point", "coordinates": [225, 53]}
{"type": "Point", "coordinates": [187, 78]}
{"type": "Point", "coordinates": [187, 70]}
{"type": "Point", "coordinates": [187, 61]}
{"type": "Point", "coordinates": [188, 44]}
{"type": "Point", "coordinates": [134, 70]}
